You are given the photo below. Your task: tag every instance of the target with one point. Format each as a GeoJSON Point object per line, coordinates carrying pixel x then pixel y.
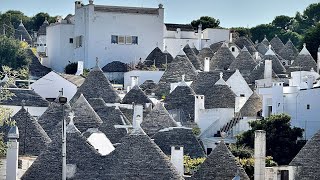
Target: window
{"type": "Point", "coordinates": [128, 39]}
{"type": "Point", "coordinates": [134, 39]}
{"type": "Point", "coordinates": [242, 95]}
{"type": "Point", "coordinates": [308, 106]}
{"type": "Point", "coordinates": [121, 39]}
{"type": "Point", "coordinates": [114, 39]}
{"type": "Point", "coordinates": [284, 63]}
{"type": "Point", "coordinates": [71, 40]}
{"type": "Point", "coordinates": [78, 41]}
{"type": "Point", "coordinates": [233, 49]}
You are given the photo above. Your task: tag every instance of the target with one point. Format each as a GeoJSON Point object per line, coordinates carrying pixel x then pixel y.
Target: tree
{"type": "Point", "coordinates": [282, 22]}
{"type": "Point", "coordinates": [312, 40]}
{"type": "Point", "coordinates": [39, 18]}
{"type": "Point", "coordinates": [312, 13]}
{"type": "Point", "coordinates": [282, 139]}
{"type": "Point", "coordinates": [258, 32]}
{"type": "Point", "coordinates": [242, 31]}
{"type": "Point", "coordinates": [6, 25]}
{"type": "Point", "coordinates": [71, 68]}
{"type": "Point", "coordinates": [206, 21]}
{"type": "Point", "coordinates": [12, 54]}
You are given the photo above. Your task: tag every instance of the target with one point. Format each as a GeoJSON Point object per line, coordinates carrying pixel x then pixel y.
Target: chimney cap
{"type": "Point", "coordinates": [13, 133]}
{"type": "Point", "coordinates": [160, 6]}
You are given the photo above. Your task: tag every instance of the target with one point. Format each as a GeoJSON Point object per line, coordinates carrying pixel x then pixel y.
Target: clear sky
{"type": "Point", "coordinates": [232, 13]}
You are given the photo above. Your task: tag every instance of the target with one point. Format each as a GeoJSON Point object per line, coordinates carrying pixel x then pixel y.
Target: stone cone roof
{"type": "Point", "coordinates": [308, 159]}
{"type": "Point", "coordinates": [85, 116]}
{"type": "Point", "coordinates": [30, 97]}
{"type": "Point", "coordinates": [21, 33]}
{"type": "Point", "coordinates": [252, 106]}
{"type": "Point", "coordinates": [194, 49]}
{"type": "Point", "coordinates": [289, 51]}
{"type": "Point", "coordinates": [36, 69]}
{"type": "Point", "coordinates": [265, 41]}
{"type": "Point", "coordinates": [193, 57]}
{"type": "Point", "coordinates": [158, 57]}
{"type": "Point", "coordinates": [245, 42]}
{"type": "Point", "coordinates": [110, 116]}
{"type": "Point", "coordinates": [116, 66]}
{"type": "Point", "coordinates": [303, 62]}
{"type": "Point", "coordinates": [243, 62]}
{"type": "Point", "coordinates": [148, 87]}
{"type": "Point", "coordinates": [262, 48]}
{"type": "Point", "coordinates": [216, 46]}
{"type": "Point", "coordinates": [178, 137]}
{"type": "Point", "coordinates": [32, 138]}
{"type": "Point", "coordinates": [43, 28]}
{"type": "Point", "coordinates": [221, 59]}
{"type": "Point", "coordinates": [258, 73]}
{"type": "Point", "coordinates": [159, 118]}
{"type": "Point", "coordinates": [220, 165]}
{"type": "Point", "coordinates": [138, 157]}
{"type": "Point", "coordinates": [96, 85]}
{"type": "Point", "coordinates": [221, 97]}
{"type": "Point", "coordinates": [181, 65]}
{"type": "Point", "coordinates": [53, 116]}
{"type": "Point", "coordinates": [205, 52]}
{"type": "Point", "coordinates": [80, 155]}
{"type": "Point", "coordinates": [182, 98]}
{"type": "Point", "coordinates": [276, 44]}
{"type": "Point", "coordinates": [137, 96]}
{"type": "Point", "coordinates": [277, 66]}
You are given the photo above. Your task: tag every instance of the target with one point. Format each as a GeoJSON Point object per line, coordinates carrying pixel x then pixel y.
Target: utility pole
{"type": "Point", "coordinates": [63, 100]}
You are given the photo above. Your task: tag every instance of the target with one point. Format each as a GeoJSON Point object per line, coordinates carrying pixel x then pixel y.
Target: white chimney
{"type": "Point", "coordinates": [259, 154]}
{"type": "Point", "coordinates": [178, 33]}
{"type": "Point", "coordinates": [137, 116]}
{"type": "Point", "coordinates": [198, 105]}
{"type": "Point", "coordinates": [268, 69]}
{"type": "Point", "coordinates": [90, 1]}
{"type": "Point", "coordinates": [256, 56]}
{"type": "Point", "coordinates": [231, 37]}
{"type": "Point", "coordinates": [134, 81]}
{"type": "Point", "coordinates": [79, 68]}
{"type": "Point", "coordinates": [177, 159]}
{"type": "Point", "coordinates": [318, 60]}
{"type": "Point", "coordinates": [12, 154]}
{"type": "Point", "coordinates": [206, 64]}
{"type": "Point", "coordinates": [199, 36]}
{"type": "Point", "coordinates": [78, 4]}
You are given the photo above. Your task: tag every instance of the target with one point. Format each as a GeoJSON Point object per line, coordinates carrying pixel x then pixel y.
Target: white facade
{"type": "Point", "coordinates": [41, 44]}
{"type": "Point", "coordinates": [215, 35]}
{"type": "Point", "coordinates": [49, 86]}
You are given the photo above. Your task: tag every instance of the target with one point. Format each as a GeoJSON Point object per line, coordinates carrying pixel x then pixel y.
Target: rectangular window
{"type": "Point", "coordinates": [134, 39]}
{"type": "Point", "coordinates": [242, 95]}
{"type": "Point", "coordinates": [114, 39]}
{"type": "Point", "coordinates": [78, 41]}
{"type": "Point", "coordinates": [128, 39]}
{"type": "Point", "coordinates": [308, 106]}
{"type": "Point", "coordinates": [71, 40]}
{"type": "Point", "coordinates": [121, 39]}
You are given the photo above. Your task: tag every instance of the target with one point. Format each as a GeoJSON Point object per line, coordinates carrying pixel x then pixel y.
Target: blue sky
{"type": "Point", "coordinates": [232, 13]}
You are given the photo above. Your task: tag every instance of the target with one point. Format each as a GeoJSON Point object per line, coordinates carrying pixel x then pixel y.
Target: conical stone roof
{"type": "Point", "coordinates": [148, 87]}
{"type": "Point", "coordinates": [276, 44]}
{"type": "Point", "coordinates": [110, 116]}
{"type": "Point", "coordinates": [137, 96]}
{"type": "Point", "coordinates": [181, 65]}
{"type": "Point", "coordinates": [261, 48]}
{"type": "Point", "coordinates": [158, 58]}
{"type": "Point", "coordinates": [194, 49]}
{"type": "Point", "coordinates": [138, 157]}
{"type": "Point", "coordinates": [289, 51]}
{"type": "Point", "coordinates": [252, 106]}
{"type": "Point", "coordinates": [243, 62]}
{"type": "Point", "coordinates": [96, 85]}
{"type": "Point", "coordinates": [159, 118]}
{"type": "Point", "coordinates": [178, 137]}
{"type": "Point", "coordinates": [220, 165]}
{"type": "Point", "coordinates": [265, 41]}
{"type": "Point", "coordinates": [36, 69]}
{"type": "Point", "coordinates": [32, 138]}
{"type": "Point", "coordinates": [85, 116]}
{"type": "Point", "coordinates": [193, 57]}
{"type": "Point", "coordinates": [307, 160]}
{"type": "Point", "coordinates": [245, 42]}
{"type": "Point", "coordinates": [81, 158]}
{"type": "Point", "coordinates": [43, 28]}
{"type": "Point", "coordinates": [52, 116]}
{"type": "Point", "coordinates": [216, 46]}
{"type": "Point", "coordinates": [221, 59]}
{"type": "Point", "coordinates": [22, 34]}
{"type": "Point", "coordinates": [258, 73]}
{"type": "Point", "coordinates": [303, 62]}
{"type": "Point", "coordinates": [277, 66]}
{"type": "Point", "coordinates": [181, 98]}
{"type": "Point", "coordinates": [205, 52]}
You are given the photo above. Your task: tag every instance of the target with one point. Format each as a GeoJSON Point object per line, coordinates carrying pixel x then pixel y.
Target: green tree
{"type": "Point", "coordinates": [312, 39]}
{"type": "Point", "coordinates": [282, 139]}
{"type": "Point", "coordinates": [312, 13]}
{"type": "Point", "coordinates": [258, 32]}
{"type": "Point", "coordinates": [6, 25]}
{"type": "Point", "coordinates": [17, 16]}
{"type": "Point", "coordinates": [282, 22]}
{"type": "Point", "coordinates": [12, 54]}
{"type": "Point", "coordinates": [242, 31]}
{"type": "Point", "coordinates": [71, 68]}
{"type": "Point", "coordinates": [39, 18]}
{"type": "Point", "coordinates": [206, 21]}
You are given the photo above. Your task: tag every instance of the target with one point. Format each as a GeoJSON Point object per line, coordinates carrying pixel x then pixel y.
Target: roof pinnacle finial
{"type": "Point", "coordinates": [183, 77]}
{"type": "Point", "coordinates": [97, 62]}
{"type": "Point", "coordinates": [223, 135]}
{"type": "Point", "coordinates": [21, 24]}
{"type": "Point", "coordinates": [270, 46]}
{"type": "Point", "coordinates": [221, 75]}
{"type": "Point", "coordinates": [71, 117]}
{"type": "Point", "coordinates": [304, 45]}
{"type": "Point", "coordinates": [23, 103]}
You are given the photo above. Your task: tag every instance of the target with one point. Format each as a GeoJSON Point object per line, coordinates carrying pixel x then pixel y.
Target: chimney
{"type": "Point", "coordinates": [268, 69]}
{"type": "Point", "coordinates": [134, 81]}
{"type": "Point", "coordinates": [199, 36]}
{"type": "Point", "coordinates": [78, 4]}
{"type": "Point", "coordinates": [206, 64]}
{"type": "Point", "coordinates": [318, 60]}
{"type": "Point", "coordinates": [178, 33]}
{"type": "Point", "coordinates": [12, 154]}
{"type": "Point", "coordinates": [259, 154]}
{"type": "Point", "coordinates": [256, 55]}
{"type": "Point", "coordinates": [198, 105]}
{"type": "Point", "coordinates": [177, 159]}
{"type": "Point", "coordinates": [137, 116]}
{"type": "Point", "coordinates": [90, 1]}
{"type": "Point", "coordinates": [231, 37]}
{"type": "Point", "coordinates": [79, 68]}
